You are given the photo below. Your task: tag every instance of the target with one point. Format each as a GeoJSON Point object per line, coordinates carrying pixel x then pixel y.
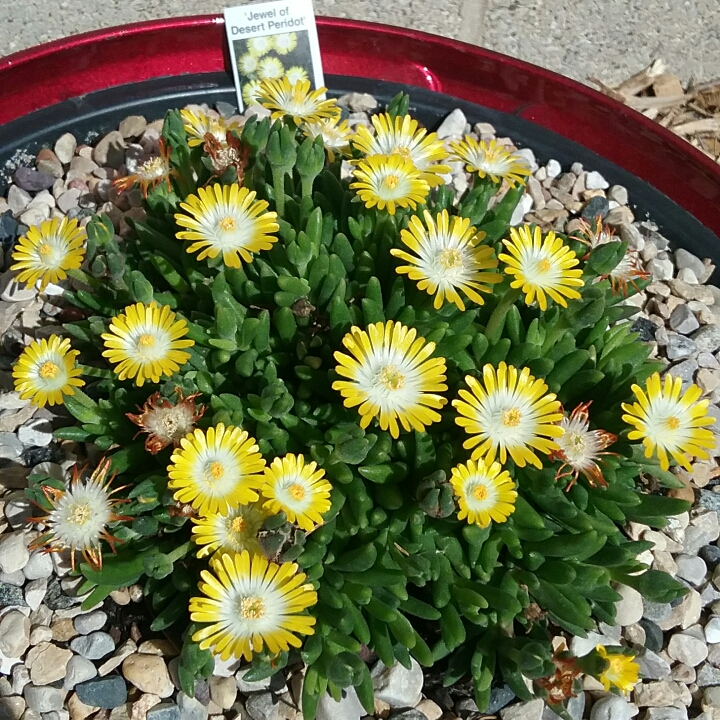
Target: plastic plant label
{"type": "Point", "coordinates": [272, 40]}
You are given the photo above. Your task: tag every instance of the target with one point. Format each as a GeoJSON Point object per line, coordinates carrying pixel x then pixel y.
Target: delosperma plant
{"type": "Point", "coordinates": [343, 407]}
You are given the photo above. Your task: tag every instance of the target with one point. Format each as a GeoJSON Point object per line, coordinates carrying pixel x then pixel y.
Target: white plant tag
{"type": "Point", "coordinates": [272, 40]}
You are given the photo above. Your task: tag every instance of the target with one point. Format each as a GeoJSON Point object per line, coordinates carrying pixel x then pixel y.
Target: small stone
{"type": "Point", "coordinates": [78, 670]}
{"type": "Point", "coordinates": [708, 380]}
{"type": "Point", "coordinates": [32, 180]}
{"type": "Point", "coordinates": [666, 713]}
{"type": "Point", "coordinates": [707, 339]}
{"type": "Point", "coordinates": [595, 181]}
{"type": "Point", "coordinates": [164, 648]}
{"type": "Point", "coordinates": [110, 150]}
{"type": "Point", "coordinates": [688, 276]}
{"type": "Point", "coordinates": [14, 634]}
{"type": "Point", "coordinates": [653, 635]}
{"type": "Point", "coordinates": [619, 194]}
{"type": "Point", "coordinates": [679, 346]}
{"type": "Point", "coordinates": [164, 711]}
{"type": "Point", "coordinates": [629, 609]}
{"type": "Point", "coordinates": [398, 686]}
{"type": "Point", "coordinates": [596, 207]}
{"type": "Point", "coordinates": [69, 200]}
{"type": "Point", "coordinates": [127, 648]}
{"type": "Point", "coordinates": [65, 148]}
{"type": "Point", "coordinates": [39, 566]}
{"type": "Point", "coordinates": [683, 321]}
{"type": "Point", "coordinates": [132, 126]}
{"type": "Point", "coordinates": [90, 622]}
{"type": "Point", "coordinates": [47, 162]}
{"type": "Point", "coordinates": [652, 666]}
{"type": "Point", "coordinates": [40, 634]}
{"type": "Point", "coordinates": [656, 694]}
{"type": "Point", "coordinates": [708, 675]}
{"type": "Point", "coordinates": [43, 699]}
{"type": "Point", "coordinates": [685, 259]}
{"type": "Point", "coordinates": [149, 674]}
{"type": "Point", "coordinates": [685, 613]}
{"type": "Point", "coordinates": [660, 269]}
{"type": "Point", "coordinates": [35, 592]}
{"type": "Point", "coordinates": [431, 710]}
{"type": "Point", "coordinates": [63, 630]}
{"type": "Point", "coordinates": [78, 709]}
{"type": "Point", "coordinates": [453, 125]}
{"type": "Point", "coordinates": [612, 707]}
{"type": "Point", "coordinates": [687, 649]}
{"type": "Point", "coordinates": [531, 710]}
{"type": "Point", "coordinates": [108, 692]}
{"type": "Point", "coordinates": [521, 209]}
{"type": "Point", "coordinates": [645, 328]}
{"type": "Point", "coordinates": [12, 291]}
{"type": "Point", "coordinates": [94, 646]}
{"type": "Point", "coordinates": [575, 708]}
{"type": "Point", "coordinates": [47, 663]}
{"type": "Point", "coordinates": [358, 102]}
{"type": "Point", "coordinates": [691, 568]}
{"type": "Point", "coordinates": [192, 709]}
{"type": "Point", "coordinates": [36, 432]}
{"type": "Point", "coordinates": [412, 714]}
{"type": "Point", "coordinates": [11, 595]}
{"type": "Point", "coordinates": [349, 707]}
{"type": "Point", "coordinates": [712, 630]}
{"type": "Point", "coordinates": [223, 691]}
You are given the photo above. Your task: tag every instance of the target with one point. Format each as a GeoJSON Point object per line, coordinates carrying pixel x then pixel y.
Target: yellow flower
{"type": "Point", "coordinates": [391, 375]}
{"type": "Point", "coordinates": [270, 68]}
{"type": "Point", "coordinates": [227, 219]}
{"type": "Point", "coordinates": [509, 412]}
{"type": "Point", "coordinates": [389, 181]}
{"type": "Point", "coordinates": [622, 673]}
{"type": "Point", "coordinates": [448, 257]}
{"type": "Point", "coordinates": [216, 470]}
{"type": "Point", "coordinates": [284, 43]}
{"type": "Point", "coordinates": [490, 159]}
{"type": "Point", "coordinates": [298, 490]}
{"type": "Point", "coordinates": [248, 64]}
{"type": "Point", "coordinates": [296, 73]}
{"type": "Point", "coordinates": [541, 266]}
{"type": "Point", "coordinates": [45, 371]}
{"type": "Point", "coordinates": [670, 421]}
{"type": "Point", "coordinates": [401, 136]}
{"type": "Point", "coordinates": [259, 46]}
{"type": "Point", "coordinates": [251, 603]}
{"type": "Point", "coordinates": [145, 342]}
{"type": "Point", "coordinates": [335, 135]}
{"type": "Point", "coordinates": [198, 123]}
{"type": "Point", "coordinates": [46, 251]}
{"type": "Point", "coordinates": [231, 531]}
{"type": "Point", "coordinates": [80, 515]}
{"type": "Point", "coordinates": [297, 101]}
{"type": "Point", "coordinates": [251, 92]}
{"type": "Point", "coordinates": [485, 492]}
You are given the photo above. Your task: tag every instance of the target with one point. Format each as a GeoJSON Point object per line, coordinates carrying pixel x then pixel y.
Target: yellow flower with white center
{"type": "Point", "coordinates": [248, 64]}
{"type": "Point", "coordinates": [390, 375]}
{"type": "Point", "coordinates": [270, 68]}
{"type": "Point", "coordinates": [251, 92]}
{"type": "Point", "coordinates": [510, 412]}
{"type": "Point", "coordinates": [490, 159]}
{"type": "Point", "coordinates": [284, 43]}
{"type": "Point", "coordinates": [296, 74]}
{"type": "Point", "coordinates": [146, 342]}
{"type": "Point", "coordinates": [448, 258]}
{"type": "Point", "coordinates": [389, 181]}
{"type": "Point", "coordinates": [227, 219]}
{"type": "Point", "coordinates": [80, 515]}
{"type": "Point", "coordinates": [485, 492]}
{"type": "Point", "coordinates": [541, 266]}
{"type": "Point", "coordinates": [251, 603]}
{"type": "Point", "coordinates": [48, 250]}
{"type": "Point", "coordinates": [622, 673]}
{"type": "Point", "coordinates": [401, 136]}
{"type": "Point", "coordinates": [580, 448]}
{"type": "Point", "coordinates": [216, 469]}
{"type": "Point", "coordinates": [297, 101]}
{"type": "Point", "coordinates": [198, 123]}
{"type": "Point", "coordinates": [299, 490]}
{"type": "Point", "coordinates": [231, 531]}
{"type": "Point", "coordinates": [335, 135]}
{"type": "Point", "coordinates": [45, 371]}
{"type": "Point", "coordinates": [669, 421]}
{"type": "Point", "coordinates": [260, 46]}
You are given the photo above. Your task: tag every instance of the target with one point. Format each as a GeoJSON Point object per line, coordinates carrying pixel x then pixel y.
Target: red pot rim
{"type": "Point", "coordinates": [69, 68]}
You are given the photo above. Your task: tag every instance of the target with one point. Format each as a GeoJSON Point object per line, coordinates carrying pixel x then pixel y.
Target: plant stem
{"type": "Point", "coordinates": [91, 371]}
{"type": "Point", "coordinates": [278, 174]}
{"type": "Point", "coordinates": [497, 320]}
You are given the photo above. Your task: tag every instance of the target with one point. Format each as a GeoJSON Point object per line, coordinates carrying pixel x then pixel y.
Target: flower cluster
{"type": "Point", "coordinates": [365, 400]}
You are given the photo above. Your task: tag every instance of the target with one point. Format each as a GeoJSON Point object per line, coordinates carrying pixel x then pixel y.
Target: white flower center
{"type": "Point", "coordinates": [668, 423]}
{"type": "Point", "coordinates": [216, 471]}
{"type": "Point", "coordinates": [391, 186]}
{"type": "Point", "coordinates": [80, 516]}
{"type": "Point", "coordinates": [49, 371]}
{"type": "Point", "coordinates": [252, 606]}
{"type": "Point", "coordinates": [226, 226]}
{"type": "Point", "coordinates": [508, 418]}
{"type": "Point", "coordinates": [51, 252]}
{"type": "Point", "coordinates": [153, 168]}
{"type": "Point", "coordinates": [148, 343]}
{"type": "Point", "coordinates": [537, 265]}
{"type": "Point", "coordinates": [292, 490]}
{"type": "Point", "coordinates": [479, 493]}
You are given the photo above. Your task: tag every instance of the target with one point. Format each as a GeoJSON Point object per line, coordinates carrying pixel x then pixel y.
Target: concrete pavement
{"type": "Point", "coordinates": [607, 39]}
